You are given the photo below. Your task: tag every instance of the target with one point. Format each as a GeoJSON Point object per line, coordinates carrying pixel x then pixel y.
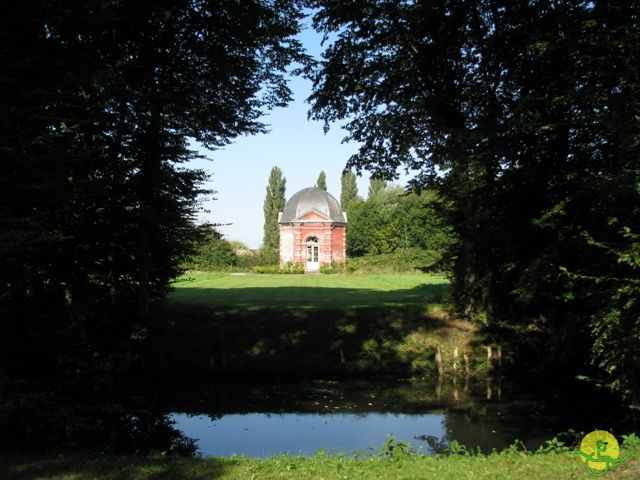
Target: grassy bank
{"type": "Point", "coordinates": [506, 466]}
{"type": "Point", "coordinates": [307, 324]}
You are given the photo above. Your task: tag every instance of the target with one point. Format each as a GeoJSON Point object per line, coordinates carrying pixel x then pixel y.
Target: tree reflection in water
{"type": "Point", "coordinates": [57, 420]}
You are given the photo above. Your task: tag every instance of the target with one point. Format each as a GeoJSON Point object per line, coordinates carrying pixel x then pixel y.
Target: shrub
{"type": "Point", "coordinates": [406, 260]}
{"type": "Point", "coordinates": [293, 267]}
{"type": "Point", "coordinates": [266, 269]}
{"type": "Point", "coordinates": [327, 269]}
{"type": "Point", "coordinates": [334, 267]}
{"type": "Point", "coordinates": [631, 442]}
{"type": "Point", "coordinates": [289, 268]}
{"type": "Point", "coordinates": [213, 253]}
{"type": "Point", "coordinates": [265, 257]}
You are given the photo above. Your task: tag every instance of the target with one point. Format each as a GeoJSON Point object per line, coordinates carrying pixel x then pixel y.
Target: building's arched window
{"type": "Point", "coordinates": [313, 249]}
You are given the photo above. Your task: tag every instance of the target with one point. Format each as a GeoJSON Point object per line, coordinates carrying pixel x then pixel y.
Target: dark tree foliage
{"type": "Point", "coordinates": [524, 116]}
{"type": "Point", "coordinates": [100, 101]}
{"type": "Point", "coordinates": [322, 181]}
{"type": "Point", "coordinates": [274, 202]}
{"type": "Point", "coordinates": [349, 189]}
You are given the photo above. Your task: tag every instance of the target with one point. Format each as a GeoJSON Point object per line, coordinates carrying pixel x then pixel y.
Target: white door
{"type": "Point", "coordinates": [313, 255]}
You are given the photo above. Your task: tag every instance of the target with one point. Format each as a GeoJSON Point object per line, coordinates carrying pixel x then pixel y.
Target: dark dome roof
{"type": "Point", "coordinates": [312, 198]}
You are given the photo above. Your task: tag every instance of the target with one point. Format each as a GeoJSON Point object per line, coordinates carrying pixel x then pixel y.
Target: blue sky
{"type": "Point", "coordinates": [299, 147]}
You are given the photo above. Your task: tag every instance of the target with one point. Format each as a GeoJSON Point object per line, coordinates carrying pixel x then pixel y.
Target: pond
{"type": "Point", "coordinates": [225, 418]}
{"type": "Point", "coordinates": [222, 417]}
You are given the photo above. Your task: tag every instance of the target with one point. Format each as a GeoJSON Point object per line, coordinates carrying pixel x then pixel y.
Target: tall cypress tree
{"type": "Point", "coordinates": [349, 190]}
{"type": "Point", "coordinates": [376, 184]}
{"type": "Point", "coordinates": [273, 203]}
{"type": "Point", "coordinates": [322, 181]}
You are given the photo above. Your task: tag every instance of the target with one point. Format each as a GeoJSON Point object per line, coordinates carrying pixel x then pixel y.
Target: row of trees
{"type": "Point", "coordinates": [390, 219]}
{"type": "Point", "coordinates": [524, 117]}
{"type": "Point", "coordinates": [100, 102]}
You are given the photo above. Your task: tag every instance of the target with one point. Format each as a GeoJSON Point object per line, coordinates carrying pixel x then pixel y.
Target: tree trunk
{"type": "Point", "coordinates": [150, 175]}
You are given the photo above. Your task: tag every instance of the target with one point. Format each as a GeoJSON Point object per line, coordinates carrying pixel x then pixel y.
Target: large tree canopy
{"type": "Point", "coordinates": [525, 116]}
{"type": "Point", "coordinates": [100, 101]}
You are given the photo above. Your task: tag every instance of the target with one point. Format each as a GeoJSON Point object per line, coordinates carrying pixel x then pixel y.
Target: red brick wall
{"type": "Point", "coordinates": [331, 242]}
{"type": "Point", "coordinates": [339, 243]}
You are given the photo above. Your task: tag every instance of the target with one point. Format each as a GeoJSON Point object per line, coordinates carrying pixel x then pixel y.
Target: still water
{"type": "Point", "coordinates": [264, 434]}
{"type": "Point", "coordinates": [302, 418]}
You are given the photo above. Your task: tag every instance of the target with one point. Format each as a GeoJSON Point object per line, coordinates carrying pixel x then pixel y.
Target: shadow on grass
{"type": "Point", "coordinates": [309, 297]}
{"type": "Point", "coordinates": [109, 467]}
{"type": "Point", "coordinates": [378, 333]}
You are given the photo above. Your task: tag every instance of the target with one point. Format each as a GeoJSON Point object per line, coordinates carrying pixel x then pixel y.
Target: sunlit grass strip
{"type": "Point", "coordinates": [318, 291]}
{"type": "Point", "coordinates": [505, 466]}
{"type": "Point", "coordinates": [305, 324]}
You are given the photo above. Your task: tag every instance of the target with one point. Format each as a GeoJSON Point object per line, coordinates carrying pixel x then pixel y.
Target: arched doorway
{"type": "Point", "coordinates": [313, 254]}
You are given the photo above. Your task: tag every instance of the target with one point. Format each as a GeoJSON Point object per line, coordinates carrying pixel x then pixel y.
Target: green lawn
{"type": "Point", "coordinates": [506, 466]}
{"type": "Point", "coordinates": [321, 325]}
{"type": "Point", "coordinates": [315, 291]}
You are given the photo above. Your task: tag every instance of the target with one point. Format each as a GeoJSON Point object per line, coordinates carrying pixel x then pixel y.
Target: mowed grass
{"type": "Point", "coordinates": [505, 466]}
{"type": "Point", "coordinates": [252, 291]}
{"type": "Point", "coordinates": [322, 325]}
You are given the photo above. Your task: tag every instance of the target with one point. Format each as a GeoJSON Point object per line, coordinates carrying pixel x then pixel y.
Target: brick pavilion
{"type": "Point", "coordinates": [313, 230]}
